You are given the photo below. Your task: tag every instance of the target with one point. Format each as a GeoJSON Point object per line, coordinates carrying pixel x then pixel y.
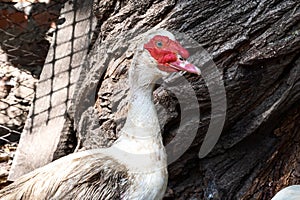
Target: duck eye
{"type": "Point", "coordinates": [159, 44]}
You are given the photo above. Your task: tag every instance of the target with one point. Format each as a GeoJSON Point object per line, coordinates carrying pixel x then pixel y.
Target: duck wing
{"type": "Point", "coordinates": [81, 176]}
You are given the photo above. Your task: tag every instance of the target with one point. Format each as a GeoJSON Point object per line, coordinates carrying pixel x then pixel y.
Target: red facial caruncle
{"type": "Point", "coordinates": [170, 55]}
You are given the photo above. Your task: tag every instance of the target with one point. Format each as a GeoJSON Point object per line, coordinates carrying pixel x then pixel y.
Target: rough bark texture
{"type": "Point", "coordinates": [256, 46]}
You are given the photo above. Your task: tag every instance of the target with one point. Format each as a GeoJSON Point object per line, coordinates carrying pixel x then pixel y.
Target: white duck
{"type": "Point", "coordinates": [135, 166]}
{"type": "Point", "coordinates": [289, 193]}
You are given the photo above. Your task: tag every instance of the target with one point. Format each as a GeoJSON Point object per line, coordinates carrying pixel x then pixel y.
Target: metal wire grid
{"type": "Point", "coordinates": [25, 29]}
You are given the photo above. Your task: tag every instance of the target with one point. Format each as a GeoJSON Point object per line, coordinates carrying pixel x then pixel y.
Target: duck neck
{"type": "Point", "coordinates": [142, 119]}
{"type": "Point", "coordinates": [140, 144]}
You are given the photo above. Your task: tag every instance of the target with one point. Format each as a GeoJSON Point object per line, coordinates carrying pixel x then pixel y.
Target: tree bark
{"type": "Point", "coordinates": [255, 45]}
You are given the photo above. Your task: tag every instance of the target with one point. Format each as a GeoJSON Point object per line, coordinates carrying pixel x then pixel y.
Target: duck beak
{"type": "Point", "coordinates": [184, 65]}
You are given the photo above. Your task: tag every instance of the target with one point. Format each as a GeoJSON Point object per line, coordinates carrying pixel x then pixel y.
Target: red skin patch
{"type": "Point", "coordinates": [165, 50]}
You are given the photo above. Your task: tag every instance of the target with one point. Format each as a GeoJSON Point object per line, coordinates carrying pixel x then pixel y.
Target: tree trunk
{"type": "Point", "coordinates": [255, 45]}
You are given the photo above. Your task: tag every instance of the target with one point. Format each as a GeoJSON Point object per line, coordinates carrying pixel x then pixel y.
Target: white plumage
{"type": "Point", "coordinates": [288, 193]}
{"type": "Point", "coordinates": [135, 166]}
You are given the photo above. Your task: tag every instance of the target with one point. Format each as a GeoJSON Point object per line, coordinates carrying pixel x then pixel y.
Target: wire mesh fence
{"type": "Point", "coordinates": [44, 42]}
{"type": "Point", "coordinates": [42, 46]}
{"type": "Point", "coordinates": [26, 28]}
{"type": "Point", "coordinates": [17, 89]}
{"type": "Point", "coordinates": [8, 135]}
